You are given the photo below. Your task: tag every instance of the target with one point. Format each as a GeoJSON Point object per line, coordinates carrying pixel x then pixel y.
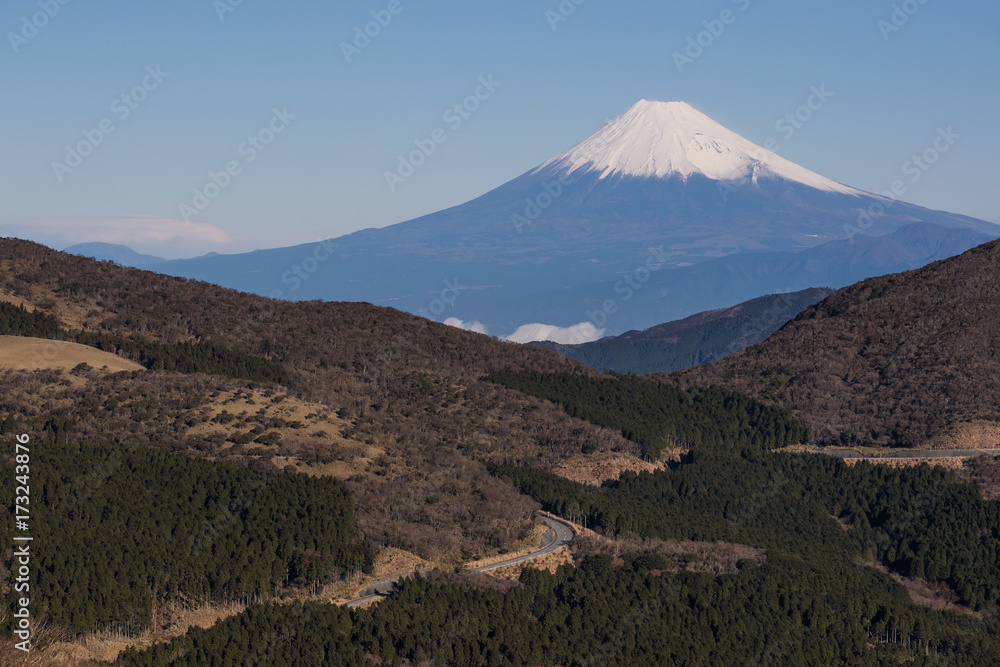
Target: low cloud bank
{"type": "Point", "coordinates": [584, 332]}
{"type": "Point", "coordinates": [475, 325]}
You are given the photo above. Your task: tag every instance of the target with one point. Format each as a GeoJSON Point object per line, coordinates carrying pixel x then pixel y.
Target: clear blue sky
{"type": "Point", "coordinates": [323, 174]}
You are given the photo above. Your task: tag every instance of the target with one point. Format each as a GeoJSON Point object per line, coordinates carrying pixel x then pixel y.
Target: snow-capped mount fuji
{"type": "Point", "coordinates": [673, 139]}
{"type": "Point", "coordinates": [659, 214]}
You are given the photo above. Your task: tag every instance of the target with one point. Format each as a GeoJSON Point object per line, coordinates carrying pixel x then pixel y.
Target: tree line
{"type": "Point", "coordinates": [120, 530]}
{"type": "Point", "coordinates": [791, 611]}
{"type": "Point", "coordinates": [656, 415]}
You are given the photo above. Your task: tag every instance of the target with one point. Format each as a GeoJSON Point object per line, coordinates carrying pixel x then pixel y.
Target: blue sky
{"type": "Point", "coordinates": [211, 74]}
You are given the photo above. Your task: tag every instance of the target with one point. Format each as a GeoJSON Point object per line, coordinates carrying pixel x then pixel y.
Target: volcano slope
{"type": "Point", "coordinates": [661, 186]}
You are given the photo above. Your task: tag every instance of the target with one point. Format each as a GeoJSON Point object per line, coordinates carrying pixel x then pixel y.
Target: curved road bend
{"type": "Point", "coordinates": [562, 535]}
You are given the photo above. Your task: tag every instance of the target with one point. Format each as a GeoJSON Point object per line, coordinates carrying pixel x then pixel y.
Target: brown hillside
{"type": "Point", "coordinates": [898, 359]}
{"type": "Point", "coordinates": [412, 416]}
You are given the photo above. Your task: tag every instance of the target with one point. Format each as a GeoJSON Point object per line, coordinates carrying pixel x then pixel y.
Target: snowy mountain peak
{"type": "Point", "coordinates": [673, 139]}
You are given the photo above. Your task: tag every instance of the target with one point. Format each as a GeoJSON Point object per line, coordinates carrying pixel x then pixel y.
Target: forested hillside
{"type": "Point", "coordinates": [918, 521]}
{"type": "Point", "coordinates": [406, 386]}
{"type": "Point", "coordinates": [125, 529]}
{"type": "Point", "coordinates": [895, 360]}
{"type": "Point", "coordinates": [788, 612]}
{"type": "Point", "coordinates": [817, 598]}
{"type": "Point", "coordinates": [695, 340]}
{"type": "Point", "coordinates": [178, 483]}
{"type": "Point", "coordinates": [656, 416]}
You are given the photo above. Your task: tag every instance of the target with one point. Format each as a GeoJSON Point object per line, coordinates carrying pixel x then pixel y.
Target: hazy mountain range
{"type": "Point", "coordinates": [112, 252]}
{"type": "Point", "coordinates": [696, 339]}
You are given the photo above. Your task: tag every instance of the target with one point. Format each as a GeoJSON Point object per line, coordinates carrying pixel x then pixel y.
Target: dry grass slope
{"type": "Point", "coordinates": [33, 354]}
{"type": "Point", "coordinates": [595, 469]}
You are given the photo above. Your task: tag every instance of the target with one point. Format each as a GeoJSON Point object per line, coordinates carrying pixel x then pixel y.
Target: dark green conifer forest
{"type": "Point", "coordinates": [117, 530]}
{"type": "Point", "coordinates": [791, 611]}
{"type": "Point", "coordinates": [656, 415]}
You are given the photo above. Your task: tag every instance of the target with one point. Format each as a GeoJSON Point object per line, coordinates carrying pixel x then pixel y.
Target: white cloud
{"type": "Point", "coordinates": [475, 325]}
{"type": "Point", "coordinates": [135, 229]}
{"type": "Point", "coordinates": [145, 233]}
{"type": "Point", "coordinates": [584, 332]}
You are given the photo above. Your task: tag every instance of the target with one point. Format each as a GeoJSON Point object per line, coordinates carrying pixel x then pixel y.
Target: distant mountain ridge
{"type": "Point", "coordinates": [695, 340]}
{"type": "Point", "coordinates": [551, 245]}
{"type": "Point", "coordinates": [119, 254]}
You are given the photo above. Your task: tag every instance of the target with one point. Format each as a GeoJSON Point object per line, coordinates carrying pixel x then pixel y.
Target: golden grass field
{"type": "Point", "coordinates": [32, 354]}
{"type": "Point", "coordinates": [978, 434]}
{"type": "Point", "coordinates": [323, 429]}
{"type": "Point", "coordinates": [597, 468]}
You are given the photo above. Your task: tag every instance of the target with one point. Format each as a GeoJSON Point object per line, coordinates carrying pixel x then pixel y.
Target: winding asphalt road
{"type": "Point", "coordinates": [559, 535]}
{"type": "Point", "coordinates": [562, 535]}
